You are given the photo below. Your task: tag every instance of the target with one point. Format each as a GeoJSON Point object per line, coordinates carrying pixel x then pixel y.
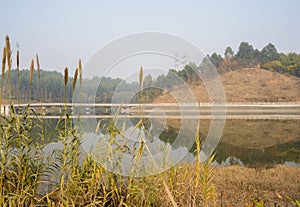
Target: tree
{"type": "Point", "coordinates": [228, 52]}
{"type": "Point", "coordinates": [176, 78]}
{"type": "Point", "coordinates": [289, 63]}
{"type": "Point", "coordinates": [206, 65]}
{"type": "Point", "coordinates": [269, 53]}
{"type": "Point", "coordinates": [148, 82]}
{"type": "Point", "coordinates": [257, 59]}
{"type": "Point", "coordinates": [216, 60]}
{"type": "Point", "coordinates": [245, 54]}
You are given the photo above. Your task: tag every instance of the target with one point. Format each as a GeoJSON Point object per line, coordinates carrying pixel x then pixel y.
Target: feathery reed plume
{"type": "Point", "coordinates": [8, 52]}
{"type": "Point", "coordinates": [38, 66]}
{"type": "Point", "coordinates": [66, 76]}
{"type": "Point", "coordinates": [18, 70]}
{"type": "Point", "coordinates": [9, 63]}
{"type": "Point", "coordinates": [39, 84]}
{"type": "Point", "coordinates": [30, 79]}
{"type": "Point", "coordinates": [141, 78]}
{"type": "Point", "coordinates": [75, 79]}
{"type": "Point", "coordinates": [140, 90]}
{"type": "Point", "coordinates": [80, 71]}
{"type": "Point", "coordinates": [65, 92]}
{"type": "Point", "coordinates": [80, 82]}
{"type": "Point", "coordinates": [2, 75]}
{"type": "Point", "coordinates": [18, 59]}
{"type": "Point", "coordinates": [3, 63]}
{"type": "Point", "coordinates": [31, 72]}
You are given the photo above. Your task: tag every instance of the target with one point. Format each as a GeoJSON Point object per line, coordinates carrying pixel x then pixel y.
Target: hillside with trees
{"type": "Point", "coordinates": [248, 74]}
{"type": "Point", "coordinates": [246, 57]}
{"type": "Point", "coordinates": [247, 85]}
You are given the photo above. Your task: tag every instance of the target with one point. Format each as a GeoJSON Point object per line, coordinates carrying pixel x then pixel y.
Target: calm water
{"type": "Point", "coordinates": [245, 142]}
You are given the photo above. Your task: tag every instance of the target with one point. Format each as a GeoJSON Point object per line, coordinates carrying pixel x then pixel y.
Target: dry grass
{"type": "Point", "coordinates": [237, 184]}
{"type": "Point", "coordinates": [248, 85]}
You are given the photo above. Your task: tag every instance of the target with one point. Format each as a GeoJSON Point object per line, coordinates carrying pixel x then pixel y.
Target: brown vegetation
{"type": "Point", "coordinates": [237, 185]}
{"type": "Point", "coordinates": [247, 85]}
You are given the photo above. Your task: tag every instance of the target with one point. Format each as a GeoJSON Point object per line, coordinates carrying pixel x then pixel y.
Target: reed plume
{"type": "Point", "coordinates": [140, 90]}
{"type": "Point", "coordinates": [2, 75]}
{"type": "Point", "coordinates": [30, 79]}
{"type": "Point", "coordinates": [80, 82]}
{"type": "Point", "coordinates": [18, 70]}
{"type": "Point", "coordinates": [39, 83]}
{"type": "Point", "coordinates": [3, 63]}
{"type": "Point", "coordinates": [18, 59]}
{"type": "Point", "coordinates": [66, 76]}
{"type": "Point", "coordinates": [80, 71]}
{"type": "Point", "coordinates": [38, 66]}
{"type": "Point", "coordinates": [65, 91]}
{"type": "Point", "coordinates": [75, 79]}
{"type": "Point", "coordinates": [8, 52]}
{"type": "Point", "coordinates": [9, 63]}
{"type": "Point", "coordinates": [141, 78]}
{"type": "Point", "coordinates": [31, 72]}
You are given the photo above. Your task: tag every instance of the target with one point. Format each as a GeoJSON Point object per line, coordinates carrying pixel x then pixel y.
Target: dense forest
{"type": "Point", "coordinates": [51, 87]}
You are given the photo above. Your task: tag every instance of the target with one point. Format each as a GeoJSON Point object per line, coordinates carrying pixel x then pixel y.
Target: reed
{"type": "Point", "coordinates": [9, 64]}
{"type": "Point", "coordinates": [22, 166]}
{"type": "Point", "coordinates": [80, 72]}
{"type": "Point", "coordinates": [40, 86]}
{"type": "Point", "coordinates": [66, 76]}
{"type": "Point", "coordinates": [208, 191]}
{"type": "Point", "coordinates": [18, 71]}
{"type": "Point", "coordinates": [197, 165]}
{"type": "Point", "coordinates": [3, 74]}
{"type": "Point", "coordinates": [75, 80]}
{"type": "Point", "coordinates": [80, 82]}
{"type": "Point", "coordinates": [8, 52]}
{"type": "Point", "coordinates": [3, 63]}
{"type": "Point", "coordinates": [39, 81]}
{"type": "Point", "coordinates": [66, 73]}
{"type": "Point", "coordinates": [30, 80]}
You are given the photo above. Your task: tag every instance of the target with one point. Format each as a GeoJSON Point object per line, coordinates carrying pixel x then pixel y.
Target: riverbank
{"type": "Point", "coordinates": [237, 185]}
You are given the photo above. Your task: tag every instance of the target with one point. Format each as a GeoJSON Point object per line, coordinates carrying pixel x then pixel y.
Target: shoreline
{"type": "Point", "coordinates": [236, 185]}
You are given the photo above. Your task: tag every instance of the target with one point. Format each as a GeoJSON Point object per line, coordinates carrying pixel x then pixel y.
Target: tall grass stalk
{"type": "Point", "coordinates": [197, 165]}
{"type": "Point", "coordinates": [39, 82]}
{"type": "Point", "coordinates": [9, 65]}
{"type": "Point", "coordinates": [66, 76]}
{"type": "Point", "coordinates": [2, 75]}
{"type": "Point", "coordinates": [80, 83]}
{"type": "Point", "coordinates": [208, 191]}
{"type": "Point", "coordinates": [18, 71]}
{"type": "Point", "coordinates": [74, 83]}
{"type": "Point", "coordinates": [30, 80]}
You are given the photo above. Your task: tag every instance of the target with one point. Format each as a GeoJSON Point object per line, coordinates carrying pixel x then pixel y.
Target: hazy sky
{"type": "Point", "coordinates": [61, 32]}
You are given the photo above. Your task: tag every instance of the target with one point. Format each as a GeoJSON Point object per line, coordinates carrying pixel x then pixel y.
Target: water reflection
{"type": "Point", "coordinates": [244, 142]}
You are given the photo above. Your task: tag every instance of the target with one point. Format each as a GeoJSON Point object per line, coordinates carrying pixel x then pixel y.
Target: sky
{"type": "Point", "coordinates": [62, 32]}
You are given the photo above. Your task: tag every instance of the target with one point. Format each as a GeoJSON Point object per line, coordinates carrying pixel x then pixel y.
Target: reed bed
{"type": "Point", "coordinates": [26, 172]}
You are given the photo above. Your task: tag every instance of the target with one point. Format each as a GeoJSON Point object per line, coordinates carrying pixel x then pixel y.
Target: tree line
{"type": "Point", "coordinates": [52, 84]}
{"type": "Point", "coordinates": [51, 88]}
{"type": "Point", "coordinates": [246, 57]}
